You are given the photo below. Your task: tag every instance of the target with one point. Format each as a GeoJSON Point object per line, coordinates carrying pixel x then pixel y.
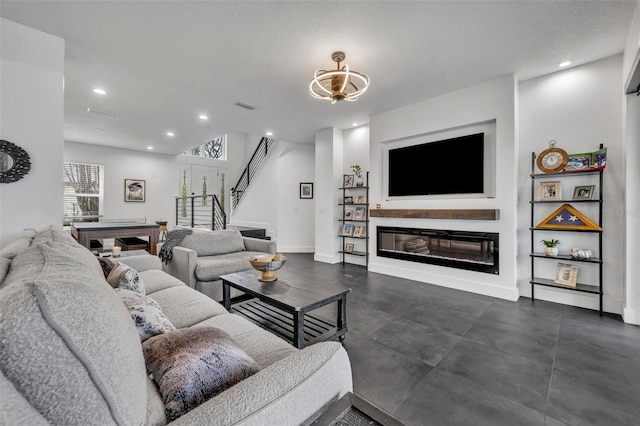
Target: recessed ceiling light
{"type": "Point", "coordinates": [564, 64]}
{"type": "Point", "coordinates": [354, 124]}
{"type": "Point", "coordinates": [149, 147]}
{"type": "Point", "coordinates": [170, 134]}
{"type": "Point", "coordinates": [99, 91]}
{"type": "Point", "coordinates": [269, 133]}
{"type": "Point", "coordinates": [203, 117]}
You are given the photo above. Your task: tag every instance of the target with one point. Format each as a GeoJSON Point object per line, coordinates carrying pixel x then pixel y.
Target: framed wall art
{"type": "Point", "coordinates": [134, 190]}
{"type": "Point", "coordinates": [306, 190]}
{"type": "Point", "coordinates": [348, 181]}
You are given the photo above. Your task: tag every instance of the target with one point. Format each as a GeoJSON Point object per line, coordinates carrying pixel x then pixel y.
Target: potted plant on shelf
{"type": "Point", "coordinates": [550, 248]}
{"type": "Point", "coordinates": [357, 170]}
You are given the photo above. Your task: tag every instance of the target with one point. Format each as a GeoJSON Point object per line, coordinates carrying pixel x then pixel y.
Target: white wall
{"type": "Point", "coordinates": [31, 116]}
{"type": "Point", "coordinates": [272, 200]}
{"type": "Point", "coordinates": [491, 101]}
{"type": "Point", "coordinates": [580, 108]}
{"type": "Point", "coordinates": [158, 170]}
{"type": "Point", "coordinates": [631, 120]}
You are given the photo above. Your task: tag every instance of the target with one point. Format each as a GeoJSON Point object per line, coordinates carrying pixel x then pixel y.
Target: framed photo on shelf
{"type": "Point", "coordinates": [306, 190]}
{"type": "Point", "coordinates": [566, 274]}
{"type": "Point", "coordinates": [348, 199]}
{"type": "Point", "coordinates": [348, 248]}
{"type": "Point", "coordinates": [359, 231]}
{"type": "Point", "coordinates": [134, 190]}
{"type": "Point", "coordinates": [579, 162]}
{"type": "Point", "coordinates": [550, 190]}
{"type": "Point", "coordinates": [360, 199]}
{"type": "Point", "coordinates": [348, 214]}
{"type": "Point", "coordinates": [348, 181]}
{"type": "Point", "coordinates": [347, 229]}
{"type": "Point", "coordinates": [359, 213]}
{"type": "Point", "coordinates": [583, 192]}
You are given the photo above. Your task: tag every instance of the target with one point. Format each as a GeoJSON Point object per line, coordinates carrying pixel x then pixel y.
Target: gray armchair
{"type": "Point", "coordinates": [202, 257]}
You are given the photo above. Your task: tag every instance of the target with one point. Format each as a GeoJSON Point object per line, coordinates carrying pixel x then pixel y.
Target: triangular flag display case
{"type": "Point", "coordinates": [567, 218]}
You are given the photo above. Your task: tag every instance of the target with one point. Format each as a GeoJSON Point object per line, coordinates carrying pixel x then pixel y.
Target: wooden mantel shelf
{"type": "Point", "coordinates": [465, 214]}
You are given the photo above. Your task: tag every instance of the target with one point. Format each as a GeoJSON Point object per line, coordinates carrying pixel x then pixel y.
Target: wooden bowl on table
{"type": "Point", "coordinates": [267, 264]}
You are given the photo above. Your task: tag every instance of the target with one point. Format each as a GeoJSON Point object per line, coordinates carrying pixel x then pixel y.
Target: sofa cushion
{"type": "Point", "coordinates": [125, 277]}
{"type": "Point", "coordinates": [209, 243]}
{"type": "Point", "coordinates": [62, 331]}
{"type": "Point", "coordinates": [19, 244]}
{"type": "Point", "coordinates": [194, 364]}
{"type": "Point", "coordinates": [185, 306]}
{"type": "Point", "coordinates": [210, 268]}
{"type": "Point", "coordinates": [156, 280]}
{"type": "Point", "coordinates": [146, 314]}
{"type": "Point", "coordinates": [54, 233]}
{"type": "Point", "coordinates": [263, 346]}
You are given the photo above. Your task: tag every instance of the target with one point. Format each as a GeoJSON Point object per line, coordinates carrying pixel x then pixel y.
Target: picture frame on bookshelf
{"type": "Point", "coordinates": [348, 248]}
{"type": "Point", "coordinates": [583, 192]}
{"type": "Point", "coordinates": [348, 181]}
{"type": "Point", "coordinates": [360, 199]}
{"type": "Point", "coordinates": [348, 214]}
{"type": "Point", "coordinates": [348, 199]}
{"type": "Point", "coordinates": [359, 231]}
{"type": "Point", "coordinates": [550, 190]}
{"type": "Point", "coordinates": [359, 213]}
{"type": "Point", "coordinates": [347, 229]}
{"type": "Point", "coordinates": [579, 162]}
{"type": "Point", "coordinates": [566, 274]}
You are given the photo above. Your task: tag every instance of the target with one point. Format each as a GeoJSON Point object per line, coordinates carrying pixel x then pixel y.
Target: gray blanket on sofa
{"type": "Point", "coordinates": [173, 238]}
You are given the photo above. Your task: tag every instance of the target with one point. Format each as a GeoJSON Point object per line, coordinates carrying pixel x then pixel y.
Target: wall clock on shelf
{"type": "Point", "coordinates": [552, 159]}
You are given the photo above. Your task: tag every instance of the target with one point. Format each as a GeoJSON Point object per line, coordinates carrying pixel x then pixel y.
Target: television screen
{"type": "Point", "coordinates": [450, 166]}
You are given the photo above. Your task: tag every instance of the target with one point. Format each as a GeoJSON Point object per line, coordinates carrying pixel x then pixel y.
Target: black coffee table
{"type": "Point", "coordinates": [283, 307]}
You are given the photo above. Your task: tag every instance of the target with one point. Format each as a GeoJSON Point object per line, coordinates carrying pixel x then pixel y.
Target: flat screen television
{"type": "Point", "coordinates": [449, 166]}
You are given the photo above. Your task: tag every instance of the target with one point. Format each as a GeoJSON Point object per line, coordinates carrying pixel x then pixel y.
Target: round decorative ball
{"type": "Point", "coordinates": [267, 264]}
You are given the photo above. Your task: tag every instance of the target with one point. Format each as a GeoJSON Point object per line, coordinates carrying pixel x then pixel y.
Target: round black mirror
{"type": "Point", "coordinates": [14, 162]}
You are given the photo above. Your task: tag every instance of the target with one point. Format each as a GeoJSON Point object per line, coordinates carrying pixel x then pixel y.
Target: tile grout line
{"type": "Point", "coordinates": [553, 366]}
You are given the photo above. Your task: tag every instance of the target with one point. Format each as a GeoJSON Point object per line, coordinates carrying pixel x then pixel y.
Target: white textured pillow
{"type": "Point", "coordinates": [125, 277]}
{"type": "Point", "coordinates": [146, 314]}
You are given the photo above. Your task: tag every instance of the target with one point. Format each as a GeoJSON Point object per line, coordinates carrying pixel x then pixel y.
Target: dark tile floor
{"type": "Point", "coordinates": [436, 356]}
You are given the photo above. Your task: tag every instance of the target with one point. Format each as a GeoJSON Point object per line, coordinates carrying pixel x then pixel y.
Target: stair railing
{"type": "Point", "coordinates": [200, 212]}
{"type": "Point", "coordinates": [258, 157]}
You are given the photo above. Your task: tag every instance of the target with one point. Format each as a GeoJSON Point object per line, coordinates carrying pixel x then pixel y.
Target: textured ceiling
{"type": "Point", "coordinates": [162, 63]}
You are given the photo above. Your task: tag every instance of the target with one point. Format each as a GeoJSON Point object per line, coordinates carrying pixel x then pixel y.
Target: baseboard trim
{"type": "Point", "coordinates": [573, 298]}
{"type": "Point", "coordinates": [296, 249]}
{"type": "Point", "coordinates": [631, 316]}
{"type": "Point", "coordinates": [326, 258]}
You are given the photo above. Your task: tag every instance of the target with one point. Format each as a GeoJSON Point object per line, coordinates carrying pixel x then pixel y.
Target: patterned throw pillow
{"type": "Point", "coordinates": [192, 365]}
{"type": "Point", "coordinates": [146, 314]}
{"type": "Point", "coordinates": [125, 277]}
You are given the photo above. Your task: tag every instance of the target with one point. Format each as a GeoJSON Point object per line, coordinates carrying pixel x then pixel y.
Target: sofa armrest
{"type": "Point", "coordinates": [257, 244]}
{"type": "Point", "coordinates": [293, 390]}
{"type": "Point", "coordinates": [182, 265]}
{"type": "Point", "coordinates": [145, 262]}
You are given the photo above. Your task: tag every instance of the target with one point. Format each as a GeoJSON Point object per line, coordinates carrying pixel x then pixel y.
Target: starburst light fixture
{"type": "Point", "coordinates": [338, 85]}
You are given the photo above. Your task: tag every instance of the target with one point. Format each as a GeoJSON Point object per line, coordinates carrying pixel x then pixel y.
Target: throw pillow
{"type": "Point", "coordinates": [125, 277]}
{"type": "Point", "coordinates": [192, 365]}
{"type": "Point", "coordinates": [107, 265]}
{"type": "Point", "coordinates": [146, 313]}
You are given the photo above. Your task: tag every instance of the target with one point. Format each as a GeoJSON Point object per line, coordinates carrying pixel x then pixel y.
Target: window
{"type": "Point", "coordinates": [83, 192]}
{"type": "Point", "coordinates": [215, 149]}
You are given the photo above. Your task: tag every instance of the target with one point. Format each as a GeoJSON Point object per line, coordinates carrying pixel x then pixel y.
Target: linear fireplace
{"type": "Point", "coordinates": [476, 251]}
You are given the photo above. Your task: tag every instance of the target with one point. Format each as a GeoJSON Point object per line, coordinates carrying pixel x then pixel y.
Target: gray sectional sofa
{"type": "Point", "coordinates": [202, 257]}
{"type": "Point", "coordinates": [70, 353]}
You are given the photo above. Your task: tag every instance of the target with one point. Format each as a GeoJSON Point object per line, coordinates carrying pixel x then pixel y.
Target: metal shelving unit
{"type": "Point", "coordinates": [537, 256]}
{"type": "Point", "coordinates": [354, 191]}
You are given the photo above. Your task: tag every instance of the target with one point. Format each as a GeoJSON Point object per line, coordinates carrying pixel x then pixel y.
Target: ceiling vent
{"type": "Point", "coordinates": [245, 106]}
{"type": "Point", "coordinates": [101, 111]}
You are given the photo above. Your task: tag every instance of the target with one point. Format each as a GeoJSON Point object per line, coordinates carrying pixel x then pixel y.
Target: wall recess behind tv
{"type": "Point", "coordinates": [452, 163]}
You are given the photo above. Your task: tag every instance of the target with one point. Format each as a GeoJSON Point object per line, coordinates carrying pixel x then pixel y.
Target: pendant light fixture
{"type": "Point", "coordinates": [339, 84]}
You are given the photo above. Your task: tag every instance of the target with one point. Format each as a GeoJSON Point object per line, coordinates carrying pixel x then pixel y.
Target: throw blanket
{"type": "Point", "coordinates": [173, 238]}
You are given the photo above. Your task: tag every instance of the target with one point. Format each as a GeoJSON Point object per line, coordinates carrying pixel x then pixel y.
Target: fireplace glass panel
{"type": "Point", "coordinates": [476, 251]}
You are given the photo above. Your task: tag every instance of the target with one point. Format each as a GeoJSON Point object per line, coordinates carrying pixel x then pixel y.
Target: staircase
{"type": "Point", "coordinates": [199, 211]}
{"type": "Point", "coordinates": [256, 161]}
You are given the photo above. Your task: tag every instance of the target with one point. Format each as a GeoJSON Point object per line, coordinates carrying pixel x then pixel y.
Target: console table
{"type": "Point", "coordinates": [84, 232]}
